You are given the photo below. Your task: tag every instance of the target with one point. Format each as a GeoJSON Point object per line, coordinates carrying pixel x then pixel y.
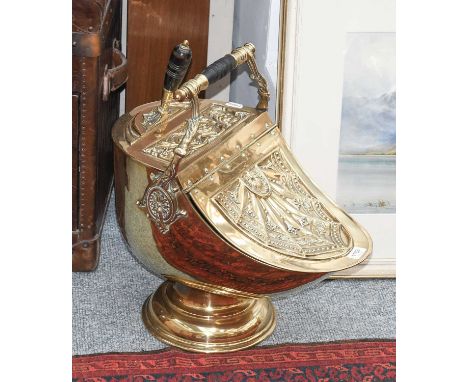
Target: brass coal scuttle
{"type": "Point", "coordinates": [209, 196]}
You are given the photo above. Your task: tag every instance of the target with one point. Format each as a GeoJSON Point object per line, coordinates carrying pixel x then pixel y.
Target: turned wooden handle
{"type": "Point", "coordinates": [180, 60]}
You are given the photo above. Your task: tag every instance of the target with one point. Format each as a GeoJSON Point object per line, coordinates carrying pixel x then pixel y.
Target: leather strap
{"type": "Point", "coordinates": [116, 76]}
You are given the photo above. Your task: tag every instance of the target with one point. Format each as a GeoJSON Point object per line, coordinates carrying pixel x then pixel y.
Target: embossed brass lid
{"type": "Point", "coordinates": [261, 202]}
{"type": "Point", "coordinates": [233, 165]}
{"type": "Point", "coordinates": [246, 184]}
{"type": "Point", "coordinates": [154, 146]}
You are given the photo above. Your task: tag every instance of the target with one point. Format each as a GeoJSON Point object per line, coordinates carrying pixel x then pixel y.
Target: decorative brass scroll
{"type": "Point", "coordinates": [160, 197]}
{"type": "Point", "coordinates": [213, 122]}
{"type": "Point", "coordinates": [160, 200]}
{"type": "Point", "coordinates": [269, 203]}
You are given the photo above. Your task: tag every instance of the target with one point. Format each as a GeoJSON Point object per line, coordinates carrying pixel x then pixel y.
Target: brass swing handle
{"type": "Point", "coordinates": [220, 68]}
{"type": "Point", "coordinates": [214, 72]}
{"type": "Point", "coordinates": [166, 183]}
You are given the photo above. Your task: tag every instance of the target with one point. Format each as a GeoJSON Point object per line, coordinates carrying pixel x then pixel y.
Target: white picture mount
{"type": "Point", "coordinates": [312, 95]}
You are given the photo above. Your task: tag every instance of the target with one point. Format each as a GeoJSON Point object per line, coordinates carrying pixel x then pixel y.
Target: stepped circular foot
{"type": "Point", "coordinates": [204, 318]}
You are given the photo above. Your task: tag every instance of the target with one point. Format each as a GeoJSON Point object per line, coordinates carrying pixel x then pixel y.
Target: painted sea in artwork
{"type": "Point", "coordinates": [367, 161]}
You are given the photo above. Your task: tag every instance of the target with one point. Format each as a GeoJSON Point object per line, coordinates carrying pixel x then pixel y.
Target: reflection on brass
{"type": "Point", "coordinates": [261, 202]}
{"type": "Point", "coordinates": [242, 55]}
{"type": "Point", "coordinates": [151, 120]}
{"type": "Point", "coordinates": [160, 197]}
{"type": "Point", "coordinates": [232, 214]}
{"type": "Point", "coordinates": [191, 130]}
{"type": "Point", "coordinates": [193, 86]}
{"type": "Point", "coordinates": [255, 75]}
{"type": "Point", "coordinates": [160, 200]}
{"type": "Point", "coordinates": [160, 112]}
{"type": "Point", "coordinates": [270, 204]}
{"type": "Point", "coordinates": [214, 121]}
{"type": "Point", "coordinates": [262, 85]}
{"type": "Point", "coordinates": [202, 318]}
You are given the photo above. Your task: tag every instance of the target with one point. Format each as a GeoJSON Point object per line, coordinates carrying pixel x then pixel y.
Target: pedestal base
{"type": "Point", "coordinates": [204, 318]}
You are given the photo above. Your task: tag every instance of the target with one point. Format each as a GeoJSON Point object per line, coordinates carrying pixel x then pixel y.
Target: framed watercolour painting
{"type": "Point", "coordinates": [339, 102]}
{"type": "Point", "coordinates": [367, 150]}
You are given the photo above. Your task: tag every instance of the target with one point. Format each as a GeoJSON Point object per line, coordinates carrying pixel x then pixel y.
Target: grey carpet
{"type": "Point", "coordinates": [107, 303]}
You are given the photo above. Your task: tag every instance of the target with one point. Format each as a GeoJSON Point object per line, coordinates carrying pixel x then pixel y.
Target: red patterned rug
{"type": "Point", "coordinates": [364, 361]}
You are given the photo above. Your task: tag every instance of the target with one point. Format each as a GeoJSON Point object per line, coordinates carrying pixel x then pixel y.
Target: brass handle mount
{"type": "Point", "coordinates": [220, 68]}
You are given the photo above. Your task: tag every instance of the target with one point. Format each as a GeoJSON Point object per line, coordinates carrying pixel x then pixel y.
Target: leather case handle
{"type": "Point", "coordinates": [115, 77]}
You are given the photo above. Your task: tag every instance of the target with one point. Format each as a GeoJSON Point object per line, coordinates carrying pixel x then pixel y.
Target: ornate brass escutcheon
{"type": "Point", "coordinates": [160, 200]}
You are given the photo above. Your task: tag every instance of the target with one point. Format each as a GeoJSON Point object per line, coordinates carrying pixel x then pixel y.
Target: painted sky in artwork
{"type": "Point", "coordinates": [369, 96]}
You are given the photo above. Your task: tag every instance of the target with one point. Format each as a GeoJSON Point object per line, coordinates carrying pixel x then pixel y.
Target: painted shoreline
{"type": "Point", "coordinates": [366, 183]}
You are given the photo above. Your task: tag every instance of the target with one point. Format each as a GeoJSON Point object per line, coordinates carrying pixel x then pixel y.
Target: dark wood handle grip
{"type": "Point", "coordinates": [181, 57]}
{"type": "Point", "coordinates": [218, 69]}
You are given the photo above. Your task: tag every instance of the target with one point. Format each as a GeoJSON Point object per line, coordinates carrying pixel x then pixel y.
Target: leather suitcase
{"type": "Point", "coordinates": [98, 70]}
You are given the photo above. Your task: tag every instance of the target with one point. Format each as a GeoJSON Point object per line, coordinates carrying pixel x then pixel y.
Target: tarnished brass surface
{"type": "Point", "coordinates": [203, 318]}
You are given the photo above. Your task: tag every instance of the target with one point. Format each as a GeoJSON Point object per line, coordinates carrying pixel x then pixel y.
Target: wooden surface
{"type": "Point", "coordinates": [154, 28]}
